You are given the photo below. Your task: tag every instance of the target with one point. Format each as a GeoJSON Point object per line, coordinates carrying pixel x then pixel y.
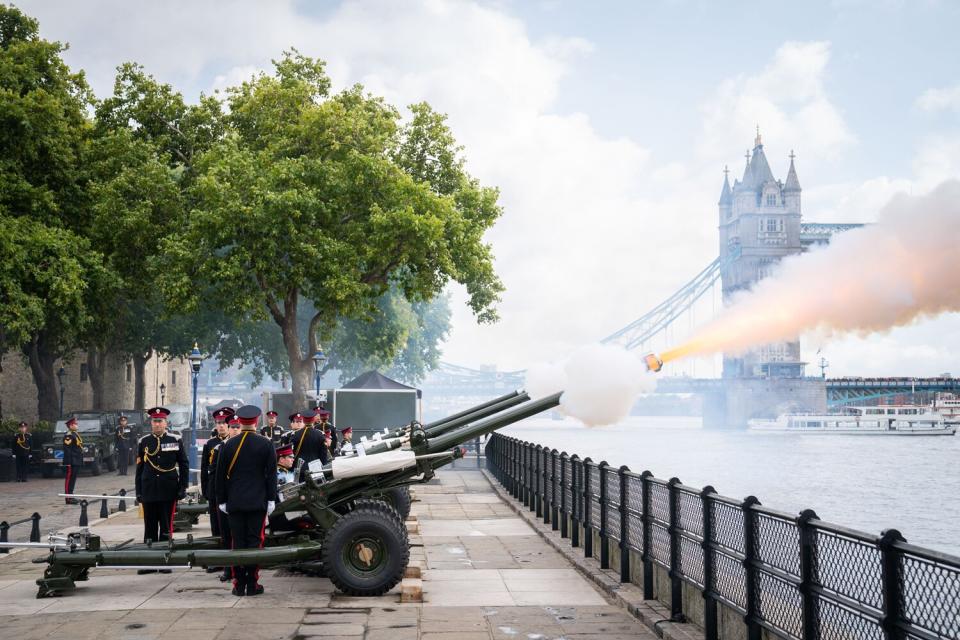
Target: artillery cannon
{"type": "Point", "coordinates": [361, 544]}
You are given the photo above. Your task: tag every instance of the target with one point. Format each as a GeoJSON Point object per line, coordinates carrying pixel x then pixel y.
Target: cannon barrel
{"type": "Point", "coordinates": [160, 556]}
{"type": "Point", "coordinates": [472, 410]}
{"type": "Point", "coordinates": [445, 426]}
{"type": "Point", "coordinates": [468, 432]}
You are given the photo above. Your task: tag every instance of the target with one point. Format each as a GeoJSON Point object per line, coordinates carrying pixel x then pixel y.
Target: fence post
{"type": "Point", "coordinates": [647, 562]}
{"type": "Point", "coordinates": [123, 503]}
{"type": "Point", "coordinates": [709, 601]}
{"type": "Point", "coordinates": [537, 506]}
{"type": "Point", "coordinates": [514, 468]}
{"type": "Point", "coordinates": [587, 513]}
{"type": "Point", "coordinates": [676, 587]}
{"type": "Point", "coordinates": [476, 446]}
{"type": "Point", "coordinates": [604, 508]}
{"type": "Point", "coordinates": [548, 504]}
{"type": "Point", "coordinates": [892, 573]}
{"type": "Point", "coordinates": [83, 513]}
{"type": "Point", "coordinates": [750, 566]}
{"type": "Point", "coordinates": [576, 469]}
{"type": "Point", "coordinates": [624, 526]}
{"type": "Point", "coordinates": [564, 507]}
{"type": "Point", "coordinates": [104, 512]}
{"type": "Point", "coordinates": [4, 535]}
{"type": "Point", "coordinates": [808, 541]}
{"type": "Point", "coordinates": [35, 528]}
{"type": "Point", "coordinates": [524, 473]}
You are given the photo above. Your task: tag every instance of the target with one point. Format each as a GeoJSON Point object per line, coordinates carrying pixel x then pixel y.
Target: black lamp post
{"type": "Point", "coordinates": [196, 360]}
{"type": "Point", "coordinates": [163, 394]}
{"type": "Point", "coordinates": [60, 374]}
{"type": "Point", "coordinates": [319, 359]}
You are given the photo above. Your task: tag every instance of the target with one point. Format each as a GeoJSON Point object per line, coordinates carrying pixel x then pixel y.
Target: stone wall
{"type": "Point", "coordinates": [18, 394]}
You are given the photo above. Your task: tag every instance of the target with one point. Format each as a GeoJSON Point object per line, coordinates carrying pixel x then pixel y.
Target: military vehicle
{"type": "Point", "coordinates": [99, 446]}
{"type": "Point", "coordinates": [337, 530]}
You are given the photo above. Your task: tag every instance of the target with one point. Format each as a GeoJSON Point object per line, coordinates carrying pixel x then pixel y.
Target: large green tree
{"type": "Point", "coordinates": [329, 199]}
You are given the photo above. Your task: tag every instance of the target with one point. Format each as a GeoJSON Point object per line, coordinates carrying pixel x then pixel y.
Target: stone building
{"type": "Point", "coordinates": [18, 395]}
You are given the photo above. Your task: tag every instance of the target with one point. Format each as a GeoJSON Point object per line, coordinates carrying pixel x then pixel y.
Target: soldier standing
{"type": "Point", "coordinates": [162, 477]}
{"type": "Point", "coordinates": [272, 430]}
{"type": "Point", "coordinates": [246, 487]}
{"type": "Point", "coordinates": [208, 465]}
{"type": "Point", "coordinates": [21, 451]}
{"type": "Point", "coordinates": [72, 457]}
{"type": "Point", "coordinates": [123, 446]}
{"type": "Point", "coordinates": [346, 442]}
{"type": "Point", "coordinates": [328, 429]}
{"type": "Point", "coordinates": [308, 443]}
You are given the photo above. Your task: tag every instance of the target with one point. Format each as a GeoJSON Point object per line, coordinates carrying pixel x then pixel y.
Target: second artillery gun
{"type": "Point", "coordinates": [360, 544]}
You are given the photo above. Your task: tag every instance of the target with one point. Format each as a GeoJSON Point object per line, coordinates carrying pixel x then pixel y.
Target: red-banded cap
{"type": "Point", "coordinates": [271, 414]}
{"type": "Point", "coordinates": [72, 422]}
{"type": "Point", "coordinates": [248, 414]}
{"type": "Point", "coordinates": [158, 413]}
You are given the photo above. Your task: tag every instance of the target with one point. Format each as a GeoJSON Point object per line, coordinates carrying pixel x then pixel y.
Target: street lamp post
{"type": "Point", "coordinates": [196, 359]}
{"type": "Point", "coordinates": [60, 374]}
{"type": "Point", "coordinates": [163, 394]}
{"type": "Point", "coordinates": [319, 359]}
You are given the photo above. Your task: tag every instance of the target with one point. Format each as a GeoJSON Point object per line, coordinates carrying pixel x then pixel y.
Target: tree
{"type": "Point", "coordinates": [328, 199]}
{"type": "Point", "coordinates": [51, 275]}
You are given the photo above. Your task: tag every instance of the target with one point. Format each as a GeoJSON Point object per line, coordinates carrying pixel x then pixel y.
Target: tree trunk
{"type": "Point", "coordinates": [44, 378]}
{"type": "Point", "coordinates": [140, 380]}
{"type": "Point", "coordinates": [96, 369]}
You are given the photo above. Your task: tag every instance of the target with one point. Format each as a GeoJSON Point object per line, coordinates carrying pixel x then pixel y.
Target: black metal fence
{"type": "Point", "coordinates": [797, 577]}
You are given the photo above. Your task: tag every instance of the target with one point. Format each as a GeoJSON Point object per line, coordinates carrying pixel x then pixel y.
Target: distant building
{"type": "Point", "coordinates": [18, 394]}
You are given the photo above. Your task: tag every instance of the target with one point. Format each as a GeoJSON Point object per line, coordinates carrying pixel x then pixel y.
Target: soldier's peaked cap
{"type": "Point", "coordinates": [234, 420]}
{"type": "Point", "coordinates": [323, 413]}
{"type": "Point", "coordinates": [158, 413]}
{"type": "Point", "coordinates": [22, 424]}
{"type": "Point", "coordinates": [308, 416]}
{"type": "Point", "coordinates": [271, 414]}
{"type": "Point", "coordinates": [222, 415]}
{"type": "Point", "coordinates": [248, 414]}
{"type": "Point", "coordinates": [71, 422]}
{"type": "Point", "coordinates": [295, 416]}
{"type": "Point", "coordinates": [285, 450]}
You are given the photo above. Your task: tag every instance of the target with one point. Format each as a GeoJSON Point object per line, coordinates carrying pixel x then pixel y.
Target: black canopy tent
{"type": "Point", "coordinates": [372, 401]}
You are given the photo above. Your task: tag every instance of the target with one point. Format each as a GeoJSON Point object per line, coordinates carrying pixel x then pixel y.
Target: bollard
{"type": "Point", "coordinates": [104, 512]}
{"type": "Point", "coordinates": [4, 532]}
{"type": "Point", "coordinates": [83, 513]}
{"type": "Point", "coordinates": [35, 529]}
{"type": "Point", "coordinates": [123, 503]}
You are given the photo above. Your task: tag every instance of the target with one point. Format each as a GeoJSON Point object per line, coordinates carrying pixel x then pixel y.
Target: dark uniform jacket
{"type": "Point", "coordinates": [246, 473]}
{"type": "Point", "coordinates": [208, 467]}
{"type": "Point", "coordinates": [72, 449]}
{"type": "Point", "coordinates": [162, 468]}
{"type": "Point", "coordinates": [122, 438]}
{"type": "Point", "coordinates": [275, 436]}
{"type": "Point", "coordinates": [308, 445]}
{"type": "Point", "coordinates": [22, 444]}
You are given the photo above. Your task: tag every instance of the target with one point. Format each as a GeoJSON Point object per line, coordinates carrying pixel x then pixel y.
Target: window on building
{"type": "Point", "coordinates": [129, 372]}
{"type": "Point", "coordinates": [173, 378]}
{"type": "Point", "coordinates": [771, 200]}
{"type": "Point", "coordinates": [83, 372]}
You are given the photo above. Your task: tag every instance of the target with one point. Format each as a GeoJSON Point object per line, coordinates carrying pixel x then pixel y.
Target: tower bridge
{"type": "Point", "coordinates": [759, 223]}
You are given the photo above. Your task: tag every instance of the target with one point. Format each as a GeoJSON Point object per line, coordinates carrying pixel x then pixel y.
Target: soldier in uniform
{"type": "Point", "coordinates": [122, 438]}
{"type": "Point", "coordinates": [72, 457]}
{"type": "Point", "coordinates": [346, 442]}
{"type": "Point", "coordinates": [246, 487]}
{"type": "Point", "coordinates": [21, 451]}
{"type": "Point", "coordinates": [328, 429]}
{"type": "Point", "coordinates": [308, 443]}
{"type": "Point", "coordinates": [272, 430]}
{"type": "Point", "coordinates": [208, 465]}
{"type": "Point", "coordinates": [162, 477]}
{"type": "Point", "coordinates": [285, 474]}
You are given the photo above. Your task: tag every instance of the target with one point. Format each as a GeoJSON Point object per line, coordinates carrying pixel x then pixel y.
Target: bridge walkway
{"type": "Point", "coordinates": [487, 574]}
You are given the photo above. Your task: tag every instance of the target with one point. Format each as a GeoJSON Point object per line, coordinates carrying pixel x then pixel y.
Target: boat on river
{"type": "Point", "coordinates": [948, 405]}
{"type": "Point", "coordinates": [888, 420]}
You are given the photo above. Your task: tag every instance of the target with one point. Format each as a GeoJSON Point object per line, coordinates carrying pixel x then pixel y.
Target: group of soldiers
{"type": "Point", "coordinates": [240, 472]}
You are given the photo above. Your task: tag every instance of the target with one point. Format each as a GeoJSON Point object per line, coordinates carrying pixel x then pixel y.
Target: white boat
{"type": "Point", "coordinates": [948, 405]}
{"type": "Point", "coordinates": [889, 420]}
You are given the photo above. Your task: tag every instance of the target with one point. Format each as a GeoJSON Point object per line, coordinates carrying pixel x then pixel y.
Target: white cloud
{"type": "Point", "coordinates": [945, 99]}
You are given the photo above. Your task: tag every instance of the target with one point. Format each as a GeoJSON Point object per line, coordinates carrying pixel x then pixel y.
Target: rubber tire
{"type": "Point", "coordinates": [371, 522]}
{"type": "Point", "coordinates": [47, 470]}
{"type": "Point", "coordinates": [385, 508]}
{"type": "Point", "coordinates": [400, 498]}
{"type": "Point", "coordinates": [95, 466]}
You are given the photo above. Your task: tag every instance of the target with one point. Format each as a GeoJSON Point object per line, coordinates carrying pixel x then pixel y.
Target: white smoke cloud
{"type": "Point", "coordinates": [890, 274]}
{"type": "Point", "coordinates": [599, 382]}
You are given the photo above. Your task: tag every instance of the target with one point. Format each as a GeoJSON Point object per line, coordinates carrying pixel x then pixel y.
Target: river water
{"type": "Point", "coordinates": [869, 483]}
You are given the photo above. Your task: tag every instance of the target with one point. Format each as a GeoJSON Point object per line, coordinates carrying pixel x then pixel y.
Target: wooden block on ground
{"type": "Point", "coordinates": [411, 590]}
{"type": "Point", "coordinates": [413, 526]}
{"type": "Point", "coordinates": [412, 571]}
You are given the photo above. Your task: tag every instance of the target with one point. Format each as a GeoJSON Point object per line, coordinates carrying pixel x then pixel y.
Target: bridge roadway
{"type": "Point", "coordinates": [487, 574]}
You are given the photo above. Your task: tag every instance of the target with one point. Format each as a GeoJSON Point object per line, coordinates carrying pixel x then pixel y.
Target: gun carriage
{"type": "Point", "coordinates": [344, 524]}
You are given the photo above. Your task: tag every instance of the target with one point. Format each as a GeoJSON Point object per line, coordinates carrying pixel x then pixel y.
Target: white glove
{"type": "Point", "coordinates": [223, 507]}
{"type": "Point", "coordinates": [271, 505]}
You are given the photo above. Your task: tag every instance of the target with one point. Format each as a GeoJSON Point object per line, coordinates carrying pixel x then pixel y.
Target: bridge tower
{"type": "Point", "coordinates": [759, 225]}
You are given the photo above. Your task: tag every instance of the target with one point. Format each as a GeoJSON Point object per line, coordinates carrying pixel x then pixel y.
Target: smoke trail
{"type": "Point", "coordinates": [903, 268]}
{"type": "Point", "coordinates": [600, 383]}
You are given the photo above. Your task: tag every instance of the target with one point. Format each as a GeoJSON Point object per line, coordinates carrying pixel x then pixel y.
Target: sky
{"type": "Point", "coordinates": [606, 126]}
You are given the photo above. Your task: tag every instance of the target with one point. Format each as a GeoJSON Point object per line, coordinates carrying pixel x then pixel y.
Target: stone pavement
{"type": "Point", "coordinates": [486, 575]}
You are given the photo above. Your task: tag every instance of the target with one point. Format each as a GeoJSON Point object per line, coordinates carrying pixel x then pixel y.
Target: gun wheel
{"type": "Point", "coordinates": [400, 498]}
{"type": "Point", "coordinates": [365, 552]}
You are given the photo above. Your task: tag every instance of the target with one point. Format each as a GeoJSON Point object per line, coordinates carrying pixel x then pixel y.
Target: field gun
{"type": "Point", "coordinates": [359, 543]}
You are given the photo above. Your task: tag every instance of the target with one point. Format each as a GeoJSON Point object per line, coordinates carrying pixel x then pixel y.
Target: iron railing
{"type": "Point", "coordinates": [797, 577]}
